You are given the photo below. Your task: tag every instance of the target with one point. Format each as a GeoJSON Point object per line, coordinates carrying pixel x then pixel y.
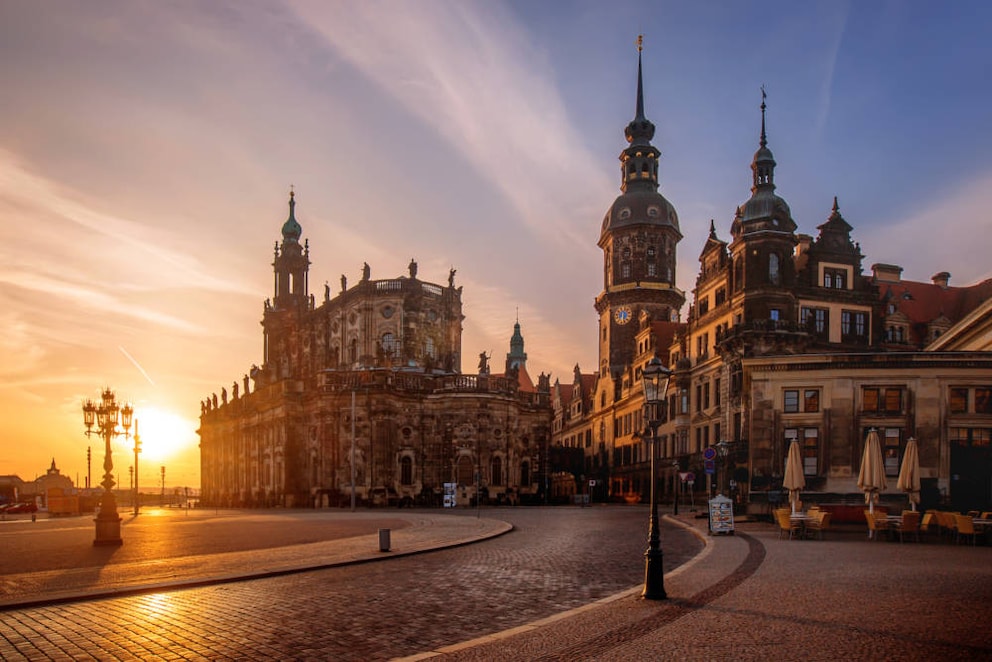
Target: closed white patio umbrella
{"type": "Point", "coordinates": [794, 480]}
{"type": "Point", "coordinates": [909, 473]}
{"type": "Point", "coordinates": [871, 478]}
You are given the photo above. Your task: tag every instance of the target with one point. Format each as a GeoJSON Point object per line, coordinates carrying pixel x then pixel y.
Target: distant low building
{"type": "Point", "coordinates": [11, 488]}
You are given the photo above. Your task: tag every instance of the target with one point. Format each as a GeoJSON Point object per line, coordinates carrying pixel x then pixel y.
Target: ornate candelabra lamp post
{"type": "Point", "coordinates": [107, 415]}
{"type": "Point", "coordinates": [137, 449]}
{"type": "Point", "coordinates": [655, 382]}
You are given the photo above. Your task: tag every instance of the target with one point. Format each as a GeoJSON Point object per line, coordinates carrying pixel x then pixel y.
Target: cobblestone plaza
{"type": "Point", "coordinates": [535, 583]}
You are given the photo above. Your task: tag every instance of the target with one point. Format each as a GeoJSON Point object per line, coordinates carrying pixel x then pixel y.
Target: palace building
{"type": "Point", "coordinates": [362, 396]}
{"type": "Point", "coordinates": [786, 338]}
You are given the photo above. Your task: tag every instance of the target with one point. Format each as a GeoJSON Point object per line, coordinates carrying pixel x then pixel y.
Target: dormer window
{"type": "Point", "coordinates": [835, 278]}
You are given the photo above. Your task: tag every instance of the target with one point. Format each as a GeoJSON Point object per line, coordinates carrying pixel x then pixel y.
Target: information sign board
{"type": "Point", "coordinates": [721, 515]}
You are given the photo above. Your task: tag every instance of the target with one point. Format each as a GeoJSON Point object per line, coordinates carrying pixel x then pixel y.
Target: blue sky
{"type": "Point", "coordinates": [147, 150]}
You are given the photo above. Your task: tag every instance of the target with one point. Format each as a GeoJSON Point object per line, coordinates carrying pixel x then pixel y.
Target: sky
{"type": "Point", "coordinates": [147, 150]}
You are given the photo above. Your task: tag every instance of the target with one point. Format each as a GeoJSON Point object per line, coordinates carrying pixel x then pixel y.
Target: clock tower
{"type": "Point", "coordinates": [638, 238]}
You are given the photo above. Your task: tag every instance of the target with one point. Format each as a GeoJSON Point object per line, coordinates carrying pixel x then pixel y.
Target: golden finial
{"type": "Point", "coordinates": [640, 43]}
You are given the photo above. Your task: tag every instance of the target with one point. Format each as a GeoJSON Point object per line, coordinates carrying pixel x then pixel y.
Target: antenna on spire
{"type": "Point", "coordinates": [639, 111]}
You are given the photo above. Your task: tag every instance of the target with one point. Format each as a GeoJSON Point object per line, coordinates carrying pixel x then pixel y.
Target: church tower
{"type": "Point", "coordinates": [291, 301]}
{"type": "Point", "coordinates": [638, 238]}
{"type": "Point", "coordinates": [763, 276]}
{"type": "Point", "coordinates": [516, 357]}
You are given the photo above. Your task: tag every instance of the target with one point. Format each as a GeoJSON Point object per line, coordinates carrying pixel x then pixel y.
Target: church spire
{"type": "Point", "coordinates": [763, 165]}
{"type": "Point", "coordinates": [291, 230]}
{"type": "Point", "coordinates": [639, 162]}
{"type": "Point", "coordinates": [516, 357]}
{"type": "Point", "coordinates": [639, 111]}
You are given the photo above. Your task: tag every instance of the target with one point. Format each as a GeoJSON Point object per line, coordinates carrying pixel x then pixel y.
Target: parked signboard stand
{"type": "Point", "coordinates": [721, 515]}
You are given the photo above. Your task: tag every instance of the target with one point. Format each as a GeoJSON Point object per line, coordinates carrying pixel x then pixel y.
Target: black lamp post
{"type": "Point", "coordinates": [137, 449]}
{"type": "Point", "coordinates": [106, 415]}
{"type": "Point", "coordinates": [722, 450]}
{"type": "Point", "coordinates": [655, 382]}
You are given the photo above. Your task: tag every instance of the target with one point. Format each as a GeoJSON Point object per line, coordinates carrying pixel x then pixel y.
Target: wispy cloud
{"type": "Point", "coordinates": [474, 76]}
{"type": "Point", "coordinates": [136, 364]}
{"type": "Point", "coordinates": [830, 65]}
{"type": "Point", "coordinates": [24, 194]}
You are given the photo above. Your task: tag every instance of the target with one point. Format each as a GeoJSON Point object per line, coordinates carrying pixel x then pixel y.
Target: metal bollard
{"type": "Point", "coordinates": [383, 540]}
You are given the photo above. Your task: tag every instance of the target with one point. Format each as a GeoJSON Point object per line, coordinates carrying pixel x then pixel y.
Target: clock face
{"type": "Point", "coordinates": [622, 315]}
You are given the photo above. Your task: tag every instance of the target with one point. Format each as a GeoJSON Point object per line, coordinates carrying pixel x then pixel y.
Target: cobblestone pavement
{"type": "Point", "coordinates": [751, 596]}
{"type": "Point", "coordinates": [554, 560]}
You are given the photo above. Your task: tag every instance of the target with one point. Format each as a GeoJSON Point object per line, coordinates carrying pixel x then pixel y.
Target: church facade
{"type": "Point", "coordinates": [361, 396]}
{"type": "Point", "coordinates": [786, 339]}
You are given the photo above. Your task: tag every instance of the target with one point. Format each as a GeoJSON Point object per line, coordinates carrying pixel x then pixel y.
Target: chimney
{"type": "Point", "coordinates": [941, 279]}
{"type": "Point", "coordinates": [886, 273]}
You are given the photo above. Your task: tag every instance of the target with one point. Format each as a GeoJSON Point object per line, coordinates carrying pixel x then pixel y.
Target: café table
{"type": "Point", "coordinates": [801, 519]}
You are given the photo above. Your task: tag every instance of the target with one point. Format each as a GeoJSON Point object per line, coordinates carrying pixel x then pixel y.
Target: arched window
{"type": "Point", "coordinates": [525, 474]}
{"type": "Point", "coordinates": [406, 471]}
{"type": "Point", "coordinates": [497, 471]}
{"type": "Point", "coordinates": [774, 277]}
{"type": "Point", "coordinates": [429, 349]}
{"type": "Point", "coordinates": [353, 350]}
{"type": "Point", "coordinates": [390, 345]}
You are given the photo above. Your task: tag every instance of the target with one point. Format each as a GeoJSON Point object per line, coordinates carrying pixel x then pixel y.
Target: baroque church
{"type": "Point", "coordinates": [786, 339]}
{"type": "Point", "coordinates": [360, 398]}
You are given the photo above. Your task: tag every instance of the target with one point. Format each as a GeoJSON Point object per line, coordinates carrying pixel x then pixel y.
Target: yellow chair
{"type": "Point", "coordinates": [929, 524]}
{"type": "Point", "coordinates": [965, 527]}
{"type": "Point", "coordinates": [785, 523]}
{"type": "Point", "coordinates": [948, 523]}
{"type": "Point", "coordinates": [910, 525]}
{"type": "Point", "coordinates": [876, 523]}
{"type": "Point", "coordinates": [819, 524]}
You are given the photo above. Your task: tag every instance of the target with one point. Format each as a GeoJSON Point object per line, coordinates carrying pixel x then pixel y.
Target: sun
{"type": "Point", "coordinates": [164, 434]}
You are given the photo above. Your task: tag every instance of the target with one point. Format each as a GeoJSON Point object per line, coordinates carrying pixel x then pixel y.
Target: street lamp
{"type": "Point", "coordinates": [137, 449]}
{"type": "Point", "coordinates": [654, 379]}
{"type": "Point", "coordinates": [722, 450]}
{"type": "Point", "coordinates": [106, 415]}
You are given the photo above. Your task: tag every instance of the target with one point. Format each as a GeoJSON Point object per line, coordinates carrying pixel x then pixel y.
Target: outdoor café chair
{"type": "Point", "coordinates": [966, 527]}
{"type": "Point", "coordinates": [876, 523]}
{"type": "Point", "coordinates": [817, 525]}
{"type": "Point", "coordinates": [785, 523]}
{"type": "Point", "coordinates": [910, 525]}
{"type": "Point", "coordinates": [929, 525]}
